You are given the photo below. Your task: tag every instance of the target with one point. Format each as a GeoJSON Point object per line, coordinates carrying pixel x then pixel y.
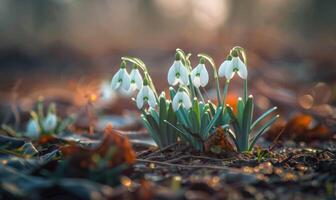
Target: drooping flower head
{"type": "Point", "coordinates": [232, 65]}
{"type": "Point", "coordinates": [181, 99]}
{"type": "Point", "coordinates": [178, 73]}
{"type": "Point", "coordinates": [135, 79]}
{"type": "Point", "coordinates": [33, 129]}
{"type": "Point", "coordinates": [146, 94]}
{"type": "Point", "coordinates": [121, 79]}
{"type": "Point", "coordinates": [199, 75]}
{"type": "Point", "coordinates": [50, 122]}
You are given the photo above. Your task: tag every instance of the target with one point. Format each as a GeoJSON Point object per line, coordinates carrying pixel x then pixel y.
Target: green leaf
{"type": "Point", "coordinates": [247, 119]}
{"type": "Point", "coordinates": [162, 124]}
{"type": "Point", "coordinates": [234, 122]}
{"type": "Point", "coordinates": [263, 116]}
{"type": "Point", "coordinates": [233, 138]}
{"type": "Point", "coordinates": [205, 120]}
{"type": "Point", "coordinates": [155, 115]}
{"type": "Point", "coordinates": [262, 130]}
{"type": "Point", "coordinates": [214, 120]}
{"type": "Point", "coordinates": [194, 121]}
{"type": "Point", "coordinates": [240, 109]}
{"type": "Point", "coordinates": [212, 108]}
{"type": "Point", "coordinates": [171, 117]}
{"type": "Point", "coordinates": [184, 113]}
{"type": "Point", "coordinates": [65, 123]}
{"type": "Point", "coordinates": [152, 131]}
{"type": "Point", "coordinates": [196, 109]}
{"type": "Point", "coordinates": [172, 93]}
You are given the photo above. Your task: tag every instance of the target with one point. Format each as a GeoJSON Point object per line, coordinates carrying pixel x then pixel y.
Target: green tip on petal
{"type": "Point", "coordinates": [177, 56]}
{"type": "Point", "coordinates": [145, 82]}
{"type": "Point", "coordinates": [134, 66]}
{"type": "Point", "coordinates": [229, 57]}
{"type": "Point", "coordinates": [202, 60]}
{"type": "Point", "coordinates": [181, 89]}
{"type": "Point", "coordinates": [123, 64]}
{"type": "Point", "coordinates": [234, 53]}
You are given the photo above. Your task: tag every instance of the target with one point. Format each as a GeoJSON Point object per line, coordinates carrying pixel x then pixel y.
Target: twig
{"type": "Point", "coordinates": [198, 157]}
{"type": "Point", "coordinates": [277, 138]}
{"type": "Point", "coordinates": [162, 150]}
{"type": "Point", "coordinates": [143, 153]}
{"type": "Point", "coordinates": [188, 166]}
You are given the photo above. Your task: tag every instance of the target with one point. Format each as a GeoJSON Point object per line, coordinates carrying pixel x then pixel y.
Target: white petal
{"type": "Point", "coordinates": [229, 71]}
{"type": "Point", "coordinates": [145, 90]}
{"type": "Point", "coordinates": [197, 81]}
{"type": "Point", "coordinates": [235, 62]}
{"type": "Point", "coordinates": [223, 67]}
{"type": "Point", "coordinates": [184, 77]}
{"type": "Point", "coordinates": [176, 101]}
{"type": "Point", "coordinates": [50, 122]}
{"type": "Point", "coordinates": [139, 99]}
{"type": "Point", "coordinates": [151, 99]}
{"type": "Point", "coordinates": [106, 90]}
{"type": "Point", "coordinates": [138, 79]}
{"type": "Point", "coordinates": [193, 73]}
{"type": "Point", "coordinates": [126, 81]}
{"type": "Point", "coordinates": [186, 100]}
{"type": "Point", "coordinates": [204, 76]}
{"type": "Point", "coordinates": [242, 69]}
{"type": "Point", "coordinates": [115, 80]}
{"type": "Point", "coordinates": [132, 88]}
{"type": "Point", "coordinates": [33, 129]}
{"type": "Point", "coordinates": [171, 75]}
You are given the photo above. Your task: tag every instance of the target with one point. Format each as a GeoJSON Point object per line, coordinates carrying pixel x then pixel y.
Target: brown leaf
{"type": "Point", "coordinates": [219, 139]}
{"type": "Point", "coordinates": [299, 128]}
{"type": "Point", "coordinates": [85, 158]}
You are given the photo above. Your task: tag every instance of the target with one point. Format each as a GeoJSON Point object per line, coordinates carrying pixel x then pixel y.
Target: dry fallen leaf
{"type": "Point", "coordinates": [85, 158]}
{"type": "Point", "coordinates": [299, 128]}
{"type": "Point", "coordinates": [219, 139]}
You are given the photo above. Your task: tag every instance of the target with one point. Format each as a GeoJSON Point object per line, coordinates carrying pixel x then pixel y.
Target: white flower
{"type": "Point", "coordinates": [106, 91]}
{"type": "Point", "coordinates": [33, 129]}
{"type": "Point", "coordinates": [178, 73]}
{"type": "Point", "coordinates": [121, 79]}
{"type": "Point", "coordinates": [181, 99]}
{"type": "Point", "coordinates": [222, 68]}
{"type": "Point", "coordinates": [50, 122]}
{"type": "Point", "coordinates": [135, 80]}
{"type": "Point", "coordinates": [145, 95]}
{"type": "Point", "coordinates": [200, 76]}
{"type": "Point", "coordinates": [229, 67]}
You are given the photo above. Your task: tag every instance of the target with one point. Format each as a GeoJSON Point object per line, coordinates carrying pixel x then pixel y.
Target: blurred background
{"type": "Point", "coordinates": [64, 49]}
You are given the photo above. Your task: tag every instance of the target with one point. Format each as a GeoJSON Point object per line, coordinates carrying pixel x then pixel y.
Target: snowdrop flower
{"type": "Point", "coordinates": [199, 75]}
{"type": "Point", "coordinates": [106, 91]}
{"type": "Point", "coordinates": [33, 129]}
{"type": "Point", "coordinates": [121, 78]}
{"type": "Point", "coordinates": [135, 80]}
{"type": "Point", "coordinates": [145, 94]}
{"type": "Point", "coordinates": [178, 73]}
{"type": "Point", "coordinates": [181, 99]}
{"type": "Point", "coordinates": [50, 122]}
{"type": "Point", "coordinates": [229, 67]}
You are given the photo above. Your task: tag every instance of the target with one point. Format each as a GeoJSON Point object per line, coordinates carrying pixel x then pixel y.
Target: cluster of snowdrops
{"type": "Point", "coordinates": [185, 115]}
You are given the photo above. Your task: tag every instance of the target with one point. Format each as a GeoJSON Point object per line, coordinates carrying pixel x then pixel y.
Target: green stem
{"type": "Point", "coordinates": [191, 86]}
{"type": "Point", "coordinates": [219, 99]}
{"type": "Point", "coordinates": [226, 87]}
{"type": "Point", "coordinates": [200, 94]}
{"type": "Point", "coordinates": [245, 91]}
